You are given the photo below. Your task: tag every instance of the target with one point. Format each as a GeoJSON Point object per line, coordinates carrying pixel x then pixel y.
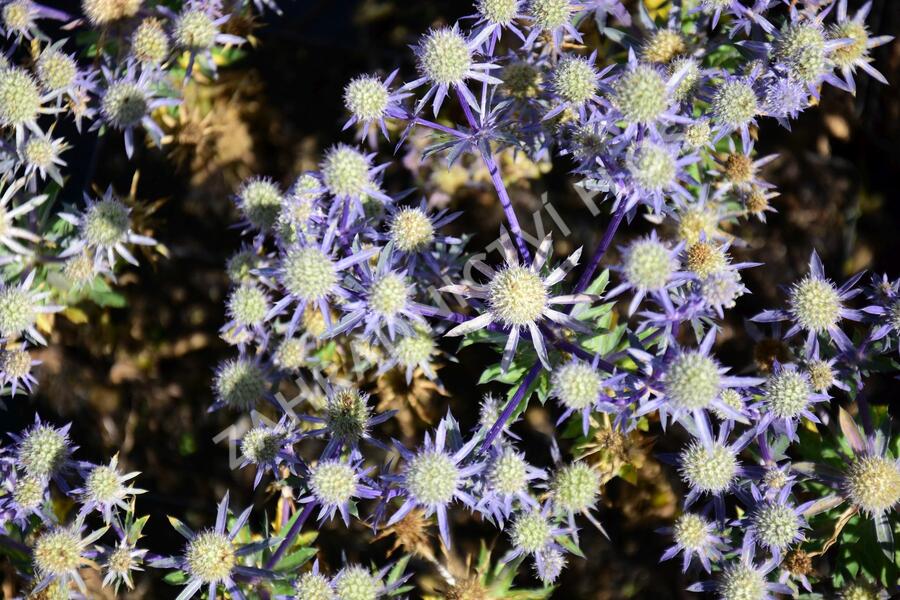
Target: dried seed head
{"type": "Point", "coordinates": [15, 364]}
{"type": "Point", "coordinates": [705, 258]}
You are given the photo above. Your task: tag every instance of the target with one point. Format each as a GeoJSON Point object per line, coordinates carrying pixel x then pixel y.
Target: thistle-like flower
{"type": "Point", "coordinates": [436, 475]}
{"type": "Point", "coordinates": [104, 229]}
{"type": "Point", "coordinates": [519, 298]}
{"type": "Point", "coordinates": [212, 557]}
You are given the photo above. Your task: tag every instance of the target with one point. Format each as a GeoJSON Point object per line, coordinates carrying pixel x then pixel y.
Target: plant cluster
{"type": "Point", "coordinates": [343, 280]}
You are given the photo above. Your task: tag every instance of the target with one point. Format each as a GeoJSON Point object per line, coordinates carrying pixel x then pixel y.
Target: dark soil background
{"type": "Point", "coordinates": [136, 380]}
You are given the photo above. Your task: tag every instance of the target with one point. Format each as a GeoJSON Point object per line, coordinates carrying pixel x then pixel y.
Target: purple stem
{"type": "Point", "coordinates": [497, 180]}
{"type": "Point", "coordinates": [608, 235]}
{"type": "Point", "coordinates": [511, 406]}
{"type": "Point", "coordinates": [291, 535]}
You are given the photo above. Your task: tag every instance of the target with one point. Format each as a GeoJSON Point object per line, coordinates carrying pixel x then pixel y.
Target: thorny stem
{"type": "Point", "coordinates": [290, 536]}
{"type": "Point", "coordinates": [497, 180]}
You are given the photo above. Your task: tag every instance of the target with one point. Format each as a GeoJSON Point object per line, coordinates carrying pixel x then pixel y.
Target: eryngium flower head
{"type": "Point", "coordinates": [517, 295]}
{"type": "Point", "coordinates": [734, 104]}
{"type": "Point", "coordinates": [333, 482]}
{"type": "Point", "coordinates": [388, 294]}
{"type": "Point", "coordinates": [195, 29]}
{"type": "Point", "coordinates": [815, 304]}
{"type": "Point", "coordinates": [873, 484]}
{"type": "Point", "coordinates": [149, 42]}
{"type": "Point", "coordinates": [125, 104]}
{"type": "Point", "coordinates": [354, 582]}
{"type": "Point", "coordinates": [366, 97]}
{"type": "Point", "coordinates": [710, 469]}
{"type": "Point", "coordinates": [549, 14]}
{"type": "Point", "coordinates": [347, 415]}
{"type": "Point", "coordinates": [345, 171]}
{"type": "Point", "coordinates": [521, 80]}
{"type": "Point", "coordinates": [18, 16]}
{"type": "Point", "coordinates": [261, 201]}
{"type": "Point", "coordinates": [690, 78]}
{"type": "Point", "coordinates": [775, 525]}
{"type": "Point", "coordinates": [649, 264]}
{"type": "Point", "coordinates": [575, 80]}
{"type": "Point", "coordinates": [106, 223]}
{"type": "Point", "coordinates": [56, 70]}
{"type": "Point", "coordinates": [575, 488]}
{"type": "Point", "coordinates": [692, 532]}
{"type": "Point", "coordinates": [240, 383]}
{"type": "Point", "coordinates": [309, 274]}
{"type": "Point", "coordinates": [652, 166]}
{"type": "Point", "coordinates": [576, 385]}
{"type": "Point", "coordinates": [801, 52]}
{"type": "Point", "coordinates": [663, 46]}
{"type": "Point", "coordinates": [508, 473]}
{"type": "Point", "coordinates": [101, 12]}
{"type": "Point", "coordinates": [787, 393]}
{"type": "Point", "coordinates": [210, 556]}
{"type": "Point", "coordinates": [740, 581]}
{"type": "Point", "coordinates": [313, 586]}
{"type": "Point", "coordinates": [640, 94]}
{"type": "Point", "coordinates": [705, 258]}
{"type": "Point", "coordinates": [444, 56]}
{"type": "Point", "coordinates": [43, 450]}
{"type": "Point", "coordinates": [411, 230]}
{"type": "Point", "coordinates": [433, 478]}
{"type": "Point", "coordinates": [59, 552]}
{"type": "Point", "coordinates": [20, 98]}
{"type": "Point", "coordinates": [248, 305]}
{"type": "Point", "coordinates": [498, 12]}
{"type": "Point", "coordinates": [692, 380]}
{"type": "Point", "coordinates": [262, 444]}
{"type": "Point", "coordinates": [531, 532]}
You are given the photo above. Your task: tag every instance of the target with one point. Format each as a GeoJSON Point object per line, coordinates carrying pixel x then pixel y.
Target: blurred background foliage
{"type": "Point", "coordinates": [136, 379]}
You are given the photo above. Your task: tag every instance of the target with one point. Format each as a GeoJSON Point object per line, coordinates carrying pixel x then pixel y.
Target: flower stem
{"type": "Point", "coordinates": [497, 180]}
{"type": "Point", "coordinates": [602, 247]}
{"type": "Point", "coordinates": [290, 536]}
{"type": "Point", "coordinates": [511, 405]}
